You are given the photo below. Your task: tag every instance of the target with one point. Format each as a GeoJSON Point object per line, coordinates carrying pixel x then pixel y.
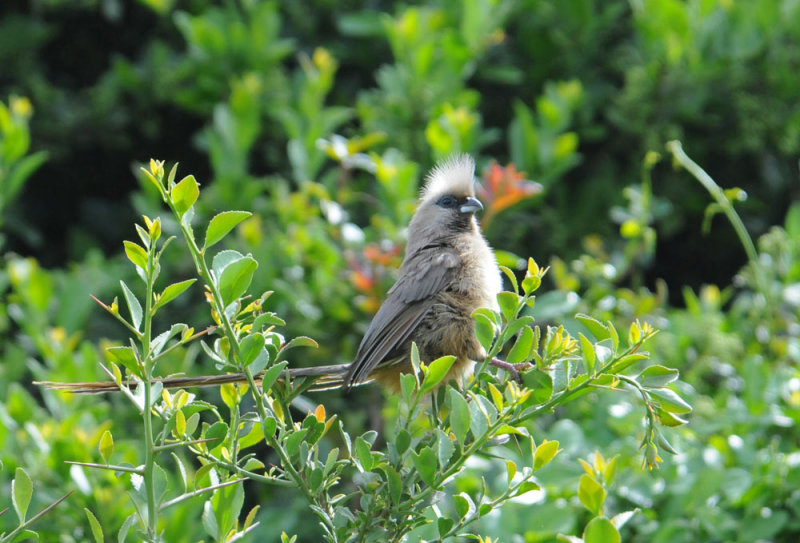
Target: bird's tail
{"type": "Point", "coordinates": [325, 378]}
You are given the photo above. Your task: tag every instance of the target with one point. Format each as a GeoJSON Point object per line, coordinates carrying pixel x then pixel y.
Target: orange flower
{"type": "Point", "coordinates": [502, 188]}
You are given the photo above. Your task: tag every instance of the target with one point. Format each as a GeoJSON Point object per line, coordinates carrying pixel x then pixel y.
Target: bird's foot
{"type": "Point", "coordinates": [511, 369]}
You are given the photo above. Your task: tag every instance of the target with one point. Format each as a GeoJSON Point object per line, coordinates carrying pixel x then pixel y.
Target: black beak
{"type": "Point", "coordinates": [470, 205]}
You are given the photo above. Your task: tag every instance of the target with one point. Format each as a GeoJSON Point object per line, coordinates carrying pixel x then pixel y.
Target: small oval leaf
{"type": "Point", "coordinates": [185, 194]}
{"type": "Point", "coordinates": [221, 224]}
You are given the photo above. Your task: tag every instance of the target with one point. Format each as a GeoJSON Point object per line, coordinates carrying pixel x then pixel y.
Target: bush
{"type": "Point", "coordinates": [319, 119]}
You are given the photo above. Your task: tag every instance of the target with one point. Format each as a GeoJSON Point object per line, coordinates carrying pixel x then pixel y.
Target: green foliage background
{"type": "Point", "coordinates": [321, 117]}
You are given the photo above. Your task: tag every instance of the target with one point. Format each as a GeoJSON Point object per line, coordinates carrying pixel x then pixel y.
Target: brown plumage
{"type": "Point", "coordinates": [448, 271]}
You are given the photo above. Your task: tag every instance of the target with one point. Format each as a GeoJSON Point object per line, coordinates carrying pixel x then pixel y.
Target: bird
{"type": "Point", "coordinates": [448, 271]}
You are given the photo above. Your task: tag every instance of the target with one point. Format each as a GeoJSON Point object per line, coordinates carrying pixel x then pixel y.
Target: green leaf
{"type": "Point", "coordinates": [521, 351]}
{"type": "Point", "coordinates": [97, 530]}
{"type": "Point", "coordinates": [598, 329]}
{"type": "Point", "coordinates": [444, 448]}
{"type": "Point", "coordinates": [21, 492]}
{"type": "Point", "coordinates": [106, 446]}
{"type": "Point", "coordinates": [511, 468]}
{"type": "Point", "coordinates": [484, 330]}
{"type": "Point", "coordinates": [459, 414]}
{"type": "Point", "coordinates": [545, 452]}
{"type": "Point", "coordinates": [24, 535]}
{"type": "Point", "coordinates": [229, 395]}
{"type": "Point", "coordinates": [402, 441]}
{"type": "Point", "coordinates": [293, 442]}
{"type": "Point", "coordinates": [221, 224]}
{"type": "Point", "coordinates": [217, 432]}
{"type": "Point", "coordinates": [670, 401]}
{"type": "Point", "coordinates": [527, 486]}
{"type": "Point", "coordinates": [465, 507]}
{"type": "Point", "coordinates": [122, 535]}
{"type": "Point", "coordinates": [497, 396]}
{"type": "Point", "coordinates": [479, 419]}
{"type": "Point", "coordinates": [173, 291]}
{"type": "Point", "coordinates": [626, 361]}
{"type": "Point", "coordinates": [269, 426]}
{"type": "Point", "coordinates": [670, 420]}
{"type": "Point", "coordinates": [540, 383]}
{"type": "Point", "coordinates": [136, 254]}
{"type": "Point", "coordinates": [508, 302]}
{"type": "Point", "coordinates": [209, 521]}
{"type": "Point", "coordinates": [612, 333]}
{"type": "Point", "coordinates": [227, 504]}
{"type": "Point", "coordinates": [222, 259]}
{"type": "Point", "coordinates": [126, 357]}
{"type": "Point", "coordinates": [395, 484]}
{"type": "Point", "coordinates": [657, 376]}
{"type": "Point", "coordinates": [512, 278]}
{"type": "Point", "coordinates": [133, 305]}
{"type": "Point", "coordinates": [591, 494]}
{"type": "Point", "coordinates": [250, 347]}
{"type": "Point", "coordinates": [236, 278]}
{"type": "Point", "coordinates": [425, 462]}
{"type": "Point", "coordinates": [271, 375]}
{"type": "Point", "coordinates": [587, 351]}
{"type": "Point", "coordinates": [185, 194]}
{"type": "Point", "coordinates": [415, 360]}
{"type": "Point", "coordinates": [437, 370]}
{"type": "Point", "coordinates": [300, 341]}
{"type": "Point", "coordinates": [444, 525]}
{"type": "Point", "coordinates": [363, 453]}
{"type": "Point", "coordinates": [267, 319]}
{"type": "Point", "coordinates": [515, 326]}
{"type": "Point", "coordinates": [531, 283]}
{"type": "Point", "coordinates": [601, 530]}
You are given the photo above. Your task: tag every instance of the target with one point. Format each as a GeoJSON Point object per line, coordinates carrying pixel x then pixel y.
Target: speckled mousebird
{"type": "Point", "coordinates": [448, 271]}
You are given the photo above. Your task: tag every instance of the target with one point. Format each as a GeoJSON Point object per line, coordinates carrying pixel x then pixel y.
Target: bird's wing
{"type": "Point", "coordinates": [427, 272]}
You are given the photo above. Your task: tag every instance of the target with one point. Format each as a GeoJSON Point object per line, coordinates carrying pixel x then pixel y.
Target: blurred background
{"type": "Point", "coordinates": [322, 117]}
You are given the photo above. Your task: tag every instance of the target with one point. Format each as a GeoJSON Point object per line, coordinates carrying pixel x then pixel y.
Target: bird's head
{"type": "Point", "coordinates": [447, 204]}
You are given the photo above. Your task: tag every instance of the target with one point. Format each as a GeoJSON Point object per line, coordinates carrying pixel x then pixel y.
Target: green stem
{"type": "Point", "coordinates": [566, 394]}
{"type": "Point", "coordinates": [198, 256]}
{"type": "Point", "coordinates": [24, 526]}
{"type": "Point", "coordinates": [718, 194]}
{"type": "Point", "coordinates": [149, 444]}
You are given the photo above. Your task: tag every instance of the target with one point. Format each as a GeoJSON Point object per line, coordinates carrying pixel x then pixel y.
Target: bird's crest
{"type": "Point", "coordinates": [454, 175]}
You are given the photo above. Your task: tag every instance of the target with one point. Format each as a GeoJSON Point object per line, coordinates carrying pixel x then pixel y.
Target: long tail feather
{"type": "Point", "coordinates": [328, 377]}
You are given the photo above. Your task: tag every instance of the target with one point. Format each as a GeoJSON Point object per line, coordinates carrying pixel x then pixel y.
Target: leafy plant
{"type": "Point", "coordinates": [438, 428]}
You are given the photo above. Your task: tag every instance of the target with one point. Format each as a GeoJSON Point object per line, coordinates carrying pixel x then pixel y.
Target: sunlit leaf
{"type": "Point", "coordinates": [437, 370]}
{"type": "Point", "coordinates": [94, 524]}
{"type": "Point", "coordinates": [598, 329]}
{"type": "Point", "coordinates": [591, 494]}
{"type": "Point", "coordinates": [106, 446]}
{"type": "Point", "coordinates": [601, 530]}
{"type": "Point", "coordinates": [21, 492]}
{"type": "Point", "coordinates": [545, 452]}
{"type": "Point", "coordinates": [134, 306]}
{"type": "Point", "coordinates": [459, 414]}
{"type": "Point", "coordinates": [173, 291]}
{"type": "Point", "coordinates": [221, 224]}
{"type": "Point", "coordinates": [184, 194]}
{"type": "Point", "coordinates": [426, 463]}
{"type": "Point", "coordinates": [670, 401]}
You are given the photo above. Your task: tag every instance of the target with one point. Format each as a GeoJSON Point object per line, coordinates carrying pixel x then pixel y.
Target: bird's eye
{"type": "Point", "coordinates": [447, 201]}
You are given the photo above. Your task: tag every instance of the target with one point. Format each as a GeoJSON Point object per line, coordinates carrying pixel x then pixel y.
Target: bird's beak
{"type": "Point", "coordinates": [470, 205]}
